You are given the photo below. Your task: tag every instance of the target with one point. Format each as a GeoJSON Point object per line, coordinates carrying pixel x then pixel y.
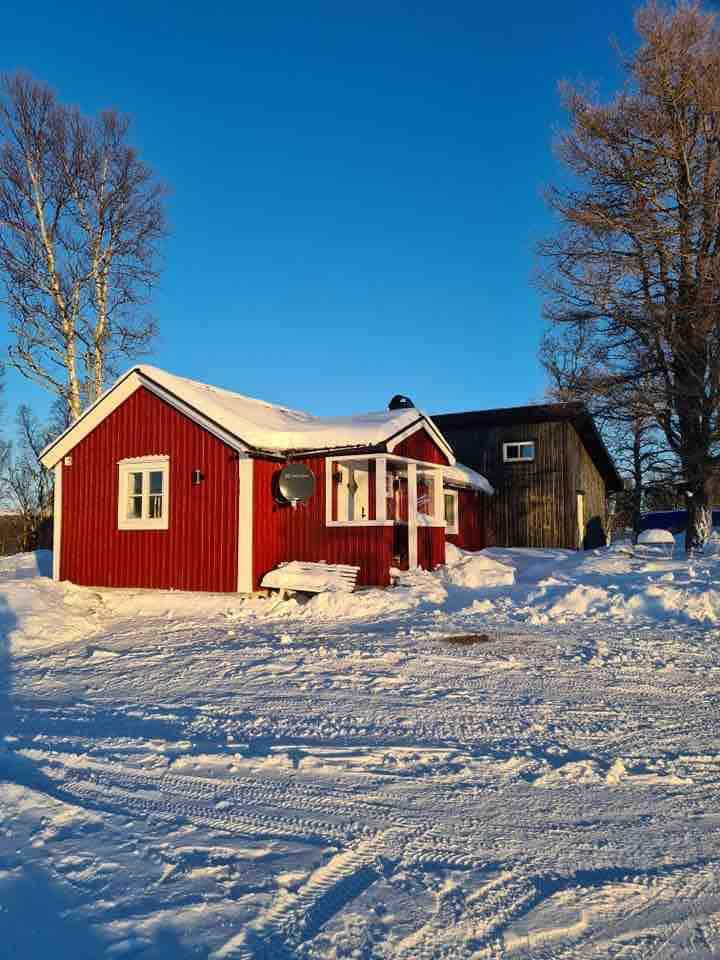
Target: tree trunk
{"type": "Point", "coordinates": [699, 524]}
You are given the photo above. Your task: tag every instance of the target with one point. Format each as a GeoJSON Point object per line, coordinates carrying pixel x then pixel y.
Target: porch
{"type": "Point", "coordinates": [397, 492]}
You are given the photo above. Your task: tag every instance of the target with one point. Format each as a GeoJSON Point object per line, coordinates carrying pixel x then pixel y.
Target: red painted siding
{"type": "Point", "coordinates": [198, 551]}
{"type": "Point", "coordinates": [431, 547]}
{"type": "Point", "coordinates": [421, 446]}
{"type": "Point", "coordinates": [473, 521]}
{"type": "Point", "coordinates": [281, 533]}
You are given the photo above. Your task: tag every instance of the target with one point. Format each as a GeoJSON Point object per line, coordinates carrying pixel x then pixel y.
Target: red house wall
{"type": "Point", "coordinates": [282, 533]}
{"type": "Point", "coordinates": [198, 551]}
{"type": "Point", "coordinates": [421, 446]}
{"type": "Point", "coordinates": [431, 547]}
{"type": "Point", "coordinates": [475, 529]}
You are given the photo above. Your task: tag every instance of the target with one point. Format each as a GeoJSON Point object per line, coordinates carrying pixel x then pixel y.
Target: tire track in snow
{"type": "Point", "coordinates": [295, 917]}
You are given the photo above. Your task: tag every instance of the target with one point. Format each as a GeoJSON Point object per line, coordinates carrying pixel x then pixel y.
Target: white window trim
{"type": "Point", "coordinates": [518, 443]}
{"type": "Point", "coordinates": [437, 519]}
{"type": "Point", "coordinates": [145, 465]}
{"type": "Point", "coordinates": [452, 529]}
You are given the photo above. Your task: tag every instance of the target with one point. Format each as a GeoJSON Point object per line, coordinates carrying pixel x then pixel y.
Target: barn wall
{"type": "Point", "coordinates": [474, 521]}
{"type": "Point", "coordinates": [589, 480]}
{"type": "Point", "coordinates": [531, 506]}
{"type": "Point", "coordinates": [282, 533]}
{"type": "Point", "coordinates": [198, 551]}
{"type": "Point", "coordinates": [421, 446]}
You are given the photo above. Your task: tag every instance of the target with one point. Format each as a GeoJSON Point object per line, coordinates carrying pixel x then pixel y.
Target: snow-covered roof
{"type": "Point", "coordinates": [256, 424]}
{"type": "Point", "coordinates": [267, 426]}
{"type": "Point", "coordinates": [466, 477]}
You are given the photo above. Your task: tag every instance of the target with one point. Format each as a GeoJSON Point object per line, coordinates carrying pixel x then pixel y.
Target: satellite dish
{"type": "Point", "coordinates": [296, 483]}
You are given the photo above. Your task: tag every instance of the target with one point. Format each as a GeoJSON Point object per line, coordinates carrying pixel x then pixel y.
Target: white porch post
{"type": "Point", "coordinates": [380, 485]}
{"type": "Point", "coordinates": [57, 520]}
{"type": "Point", "coordinates": [412, 516]}
{"type": "Point", "coordinates": [245, 525]}
{"type": "Point", "coordinates": [439, 504]}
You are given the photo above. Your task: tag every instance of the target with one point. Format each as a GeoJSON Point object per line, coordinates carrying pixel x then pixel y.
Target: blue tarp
{"type": "Point", "coordinates": [673, 520]}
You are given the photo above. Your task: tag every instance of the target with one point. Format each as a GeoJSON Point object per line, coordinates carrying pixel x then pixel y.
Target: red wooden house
{"type": "Point", "coordinates": [169, 483]}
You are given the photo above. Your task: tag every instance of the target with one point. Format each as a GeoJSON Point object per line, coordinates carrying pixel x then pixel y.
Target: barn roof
{"type": "Point", "coordinates": [573, 412]}
{"type": "Point", "coordinates": [251, 424]}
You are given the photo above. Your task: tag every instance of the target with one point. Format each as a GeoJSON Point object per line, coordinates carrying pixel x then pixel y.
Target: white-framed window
{"type": "Point", "coordinates": [144, 493]}
{"type": "Point", "coordinates": [451, 512]}
{"type": "Point", "coordinates": [353, 491]}
{"type": "Point", "coordinates": [518, 452]}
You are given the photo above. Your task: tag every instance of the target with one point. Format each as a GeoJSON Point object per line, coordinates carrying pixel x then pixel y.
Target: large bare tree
{"type": "Point", "coordinates": [577, 371]}
{"type": "Point", "coordinates": [635, 266]}
{"type": "Point", "coordinates": [81, 219]}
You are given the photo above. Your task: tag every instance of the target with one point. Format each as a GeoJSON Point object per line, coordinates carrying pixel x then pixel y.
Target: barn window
{"type": "Point", "coordinates": [519, 452]}
{"type": "Point", "coordinates": [143, 493]}
{"type": "Point", "coordinates": [451, 512]}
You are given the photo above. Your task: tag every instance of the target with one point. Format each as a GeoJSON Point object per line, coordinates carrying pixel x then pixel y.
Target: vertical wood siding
{"type": "Point", "coordinates": [535, 503]}
{"type": "Point", "coordinates": [198, 551]}
{"type": "Point", "coordinates": [590, 481]}
{"type": "Point", "coordinates": [474, 521]}
{"type": "Point", "coordinates": [431, 547]}
{"type": "Point", "coordinates": [282, 533]}
{"type": "Point", "coordinates": [421, 446]}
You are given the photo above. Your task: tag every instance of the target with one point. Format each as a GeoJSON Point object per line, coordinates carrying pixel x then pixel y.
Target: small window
{"type": "Point", "coordinates": [353, 491]}
{"type": "Point", "coordinates": [143, 494]}
{"type": "Point", "coordinates": [451, 512]}
{"type": "Point", "coordinates": [519, 452]}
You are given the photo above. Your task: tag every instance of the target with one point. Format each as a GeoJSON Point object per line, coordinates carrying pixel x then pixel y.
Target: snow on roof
{"type": "Point", "coordinates": [467, 477]}
{"type": "Point", "coordinates": [267, 426]}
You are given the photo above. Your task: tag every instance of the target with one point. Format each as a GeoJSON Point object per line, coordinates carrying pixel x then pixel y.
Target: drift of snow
{"type": "Point", "coordinates": [513, 756]}
{"type": "Point", "coordinates": [458, 473]}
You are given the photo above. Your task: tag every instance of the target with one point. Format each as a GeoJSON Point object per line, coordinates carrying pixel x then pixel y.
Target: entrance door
{"type": "Point", "coordinates": [581, 520]}
{"type": "Point", "coordinates": [400, 546]}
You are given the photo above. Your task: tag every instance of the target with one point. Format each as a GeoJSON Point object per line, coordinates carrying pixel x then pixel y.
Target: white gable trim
{"type": "Point", "coordinates": [431, 429]}
{"type": "Point", "coordinates": [121, 390]}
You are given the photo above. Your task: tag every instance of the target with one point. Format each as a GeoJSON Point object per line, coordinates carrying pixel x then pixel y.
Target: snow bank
{"type": "Point", "coordinates": [476, 570]}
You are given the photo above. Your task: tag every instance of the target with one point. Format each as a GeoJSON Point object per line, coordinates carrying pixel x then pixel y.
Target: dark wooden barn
{"type": "Point", "coordinates": [550, 469]}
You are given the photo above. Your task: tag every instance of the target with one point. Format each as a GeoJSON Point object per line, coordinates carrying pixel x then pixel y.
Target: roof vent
{"type": "Point", "coordinates": [399, 402]}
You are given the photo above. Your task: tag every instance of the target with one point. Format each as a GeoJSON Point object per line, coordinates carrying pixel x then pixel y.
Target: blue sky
{"type": "Point", "coordinates": [355, 188]}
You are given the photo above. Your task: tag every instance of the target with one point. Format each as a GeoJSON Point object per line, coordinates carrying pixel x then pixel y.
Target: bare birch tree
{"type": "Point", "coordinates": [81, 219]}
{"type": "Point", "coordinates": [24, 482]}
{"type": "Point", "coordinates": [635, 266]}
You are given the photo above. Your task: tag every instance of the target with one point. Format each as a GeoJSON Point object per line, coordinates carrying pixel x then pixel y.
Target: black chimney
{"type": "Point", "coordinates": [399, 402]}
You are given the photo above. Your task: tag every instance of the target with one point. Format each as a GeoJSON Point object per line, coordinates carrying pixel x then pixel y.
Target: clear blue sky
{"type": "Point", "coordinates": [355, 188]}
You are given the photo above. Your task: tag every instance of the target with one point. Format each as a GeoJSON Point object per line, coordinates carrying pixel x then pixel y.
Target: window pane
{"type": "Point", "coordinates": [450, 509]}
{"type": "Point", "coordinates": [135, 484]}
{"type": "Point", "coordinates": [156, 481]}
{"type": "Point", "coordinates": [155, 505]}
{"type": "Point", "coordinates": [527, 451]}
{"type": "Point", "coordinates": [134, 508]}
{"type": "Point", "coordinates": [512, 452]}
{"type": "Point", "coordinates": [426, 494]}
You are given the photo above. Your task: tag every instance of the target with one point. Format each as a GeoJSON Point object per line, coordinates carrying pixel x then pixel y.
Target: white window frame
{"type": "Point", "coordinates": [454, 528]}
{"type": "Point", "coordinates": [519, 444]}
{"type": "Point", "coordinates": [144, 465]}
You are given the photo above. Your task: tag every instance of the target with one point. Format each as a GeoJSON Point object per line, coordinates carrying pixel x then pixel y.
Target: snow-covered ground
{"type": "Point", "coordinates": [516, 756]}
